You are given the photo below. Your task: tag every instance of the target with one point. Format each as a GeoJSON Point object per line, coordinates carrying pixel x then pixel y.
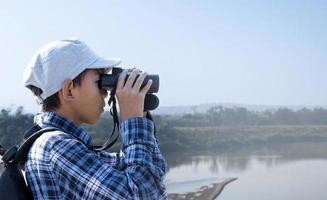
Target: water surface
{"type": "Point", "coordinates": [289, 171]}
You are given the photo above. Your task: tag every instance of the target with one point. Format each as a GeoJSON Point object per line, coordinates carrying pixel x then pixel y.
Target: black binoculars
{"type": "Point", "coordinates": [109, 82]}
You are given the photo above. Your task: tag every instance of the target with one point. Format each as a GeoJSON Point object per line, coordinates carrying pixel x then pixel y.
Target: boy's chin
{"type": "Point", "coordinates": [93, 121]}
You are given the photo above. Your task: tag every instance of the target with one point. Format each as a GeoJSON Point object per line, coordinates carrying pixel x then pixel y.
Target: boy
{"type": "Point", "coordinates": [64, 76]}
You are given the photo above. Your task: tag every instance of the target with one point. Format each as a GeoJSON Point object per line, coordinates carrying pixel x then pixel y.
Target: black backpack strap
{"type": "Point", "coordinates": [32, 130]}
{"type": "Point", "coordinates": [22, 151]}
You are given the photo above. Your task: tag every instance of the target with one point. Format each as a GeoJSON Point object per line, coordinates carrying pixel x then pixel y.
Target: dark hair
{"type": "Point", "coordinates": [53, 102]}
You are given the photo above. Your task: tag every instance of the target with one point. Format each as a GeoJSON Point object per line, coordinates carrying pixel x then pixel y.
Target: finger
{"type": "Point", "coordinates": [139, 81]}
{"type": "Point", "coordinates": [147, 87]}
{"type": "Point", "coordinates": [121, 79]}
{"type": "Point", "coordinates": [131, 79]}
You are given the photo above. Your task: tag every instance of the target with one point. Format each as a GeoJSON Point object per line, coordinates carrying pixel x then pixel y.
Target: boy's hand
{"type": "Point", "coordinates": [130, 97]}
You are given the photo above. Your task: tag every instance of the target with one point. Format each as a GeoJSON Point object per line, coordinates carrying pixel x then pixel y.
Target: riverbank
{"type": "Point", "coordinates": [206, 192]}
{"type": "Point", "coordinates": [235, 137]}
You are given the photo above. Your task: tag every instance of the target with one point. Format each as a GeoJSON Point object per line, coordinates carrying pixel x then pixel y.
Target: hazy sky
{"type": "Point", "coordinates": [252, 52]}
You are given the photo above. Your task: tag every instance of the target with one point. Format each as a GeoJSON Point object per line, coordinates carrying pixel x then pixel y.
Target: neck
{"type": "Point", "coordinates": [68, 114]}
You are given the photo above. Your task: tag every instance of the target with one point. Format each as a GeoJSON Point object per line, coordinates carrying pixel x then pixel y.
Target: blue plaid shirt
{"type": "Point", "coordinates": [61, 164]}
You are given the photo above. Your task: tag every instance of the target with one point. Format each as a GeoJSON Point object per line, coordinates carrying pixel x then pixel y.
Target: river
{"type": "Point", "coordinates": [285, 172]}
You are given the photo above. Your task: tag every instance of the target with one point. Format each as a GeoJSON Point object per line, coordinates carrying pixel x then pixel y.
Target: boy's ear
{"type": "Point", "coordinates": [67, 91]}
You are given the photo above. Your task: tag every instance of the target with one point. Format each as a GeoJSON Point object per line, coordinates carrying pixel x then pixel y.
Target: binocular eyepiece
{"type": "Point", "coordinates": [109, 82]}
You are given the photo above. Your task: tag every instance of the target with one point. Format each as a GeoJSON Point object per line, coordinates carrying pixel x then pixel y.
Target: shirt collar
{"type": "Point", "coordinates": [45, 119]}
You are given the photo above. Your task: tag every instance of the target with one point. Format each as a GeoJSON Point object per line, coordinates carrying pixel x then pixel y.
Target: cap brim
{"type": "Point", "coordinates": [106, 63]}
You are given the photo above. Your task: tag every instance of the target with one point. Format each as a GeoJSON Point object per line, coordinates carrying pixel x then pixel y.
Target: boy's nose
{"type": "Point", "coordinates": [104, 93]}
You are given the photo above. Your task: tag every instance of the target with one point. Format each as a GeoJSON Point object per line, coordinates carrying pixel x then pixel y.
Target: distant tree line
{"type": "Point", "coordinates": [13, 126]}
{"type": "Point", "coordinates": [196, 130]}
{"type": "Point", "coordinates": [223, 128]}
{"type": "Point", "coordinates": [221, 116]}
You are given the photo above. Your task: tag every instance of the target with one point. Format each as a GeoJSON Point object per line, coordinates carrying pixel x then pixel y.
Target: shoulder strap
{"type": "Point", "coordinates": [20, 156]}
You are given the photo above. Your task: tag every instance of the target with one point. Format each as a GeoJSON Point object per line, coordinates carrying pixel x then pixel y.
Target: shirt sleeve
{"type": "Point", "coordinates": [136, 174]}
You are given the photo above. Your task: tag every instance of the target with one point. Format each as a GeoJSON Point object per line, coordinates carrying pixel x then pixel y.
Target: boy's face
{"type": "Point", "coordinates": [89, 102]}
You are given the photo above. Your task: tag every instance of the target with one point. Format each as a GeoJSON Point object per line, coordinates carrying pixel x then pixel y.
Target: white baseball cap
{"type": "Point", "coordinates": [62, 60]}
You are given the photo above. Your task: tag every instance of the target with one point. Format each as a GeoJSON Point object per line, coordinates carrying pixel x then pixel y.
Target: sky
{"type": "Point", "coordinates": [270, 52]}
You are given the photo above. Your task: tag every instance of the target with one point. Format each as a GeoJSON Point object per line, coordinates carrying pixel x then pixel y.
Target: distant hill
{"type": "Point", "coordinates": [202, 108]}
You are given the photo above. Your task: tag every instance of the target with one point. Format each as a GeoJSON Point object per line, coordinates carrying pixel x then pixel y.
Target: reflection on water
{"type": "Point", "coordinates": [289, 171]}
